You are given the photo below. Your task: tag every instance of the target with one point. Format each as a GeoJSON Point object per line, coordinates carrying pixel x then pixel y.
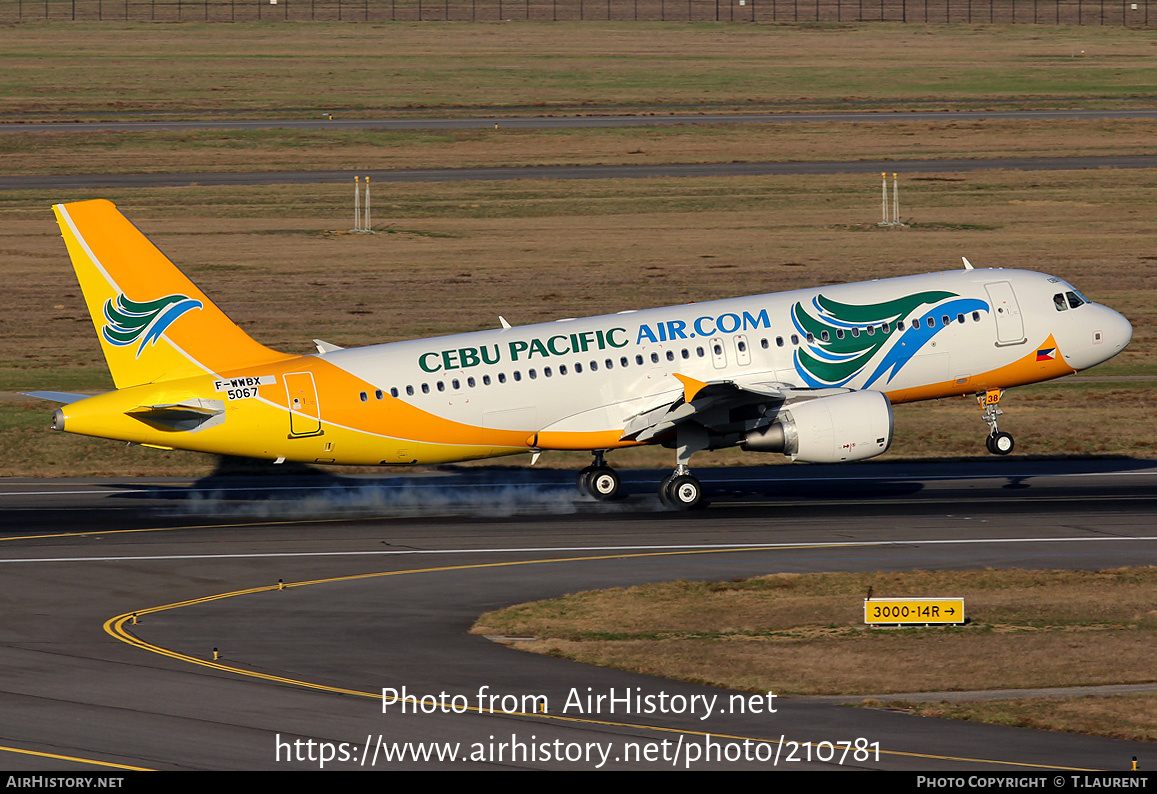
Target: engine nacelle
{"type": "Point", "coordinates": [843, 427]}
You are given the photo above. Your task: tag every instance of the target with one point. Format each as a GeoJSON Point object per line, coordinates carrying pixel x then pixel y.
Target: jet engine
{"type": "Point", "coordinates": [834, 429]}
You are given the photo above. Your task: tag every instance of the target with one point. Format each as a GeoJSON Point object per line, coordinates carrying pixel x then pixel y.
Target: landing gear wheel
{"type": "Point", "coordinates": [1001, 444]}
{"type": "Point", "coordinates": [684, 492]}
{"type": "Point", "coordinates": [664, 493]}
{"type": "Point", "coordinates": [603, 484]}
{"type": "Point", "coordinates": [584, 479]}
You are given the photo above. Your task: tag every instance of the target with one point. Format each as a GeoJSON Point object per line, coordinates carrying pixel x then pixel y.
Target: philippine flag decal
{"type": "Point", "coordinates": [1046, 354]}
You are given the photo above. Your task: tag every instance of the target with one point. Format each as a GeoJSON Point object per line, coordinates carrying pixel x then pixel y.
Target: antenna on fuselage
{"type": "Point", "coordinates": [967, 264]}
{"type": "Point", "coordinates": [502, 320]}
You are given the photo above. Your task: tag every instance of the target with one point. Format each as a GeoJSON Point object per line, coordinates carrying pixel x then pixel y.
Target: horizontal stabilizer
{"type": "Point", "coordinates": [57, 396]}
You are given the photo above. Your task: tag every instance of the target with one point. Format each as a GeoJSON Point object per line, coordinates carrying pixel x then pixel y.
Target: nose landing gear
{"type": "Point", "coordinates": [998, 443]}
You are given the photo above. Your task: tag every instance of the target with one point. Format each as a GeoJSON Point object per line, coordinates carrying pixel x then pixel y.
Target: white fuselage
{"type": "Point", "coordinates": [594, 374]}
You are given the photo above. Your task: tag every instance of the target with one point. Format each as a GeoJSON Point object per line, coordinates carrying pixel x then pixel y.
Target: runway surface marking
{"type": "Point", "coordinates": [116, 627]}
{"type": "Point", "coordinates": [74, 758]}
{"type": "Point", "coordinates": [620, 552]}
{"type": "Point", "coordinates": [276, 523]}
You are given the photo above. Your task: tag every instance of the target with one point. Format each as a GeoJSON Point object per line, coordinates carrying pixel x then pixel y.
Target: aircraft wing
{"type": "Point", "coordinates": [723, 406]}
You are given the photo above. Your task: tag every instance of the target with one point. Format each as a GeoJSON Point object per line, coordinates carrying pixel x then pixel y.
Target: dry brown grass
{"type": "Point", "coordinates": [300, 70]}
{"type": "Point", "coordinates": [1128, 717]}
{"type": "Point", "coordinates": [453, 253]}
{"type": "Point", "coordinates": [457, 254]}
{"type": "Point", "coordinates": [159, 152]}
{"type": "Point", "coordinates": [804, 633]}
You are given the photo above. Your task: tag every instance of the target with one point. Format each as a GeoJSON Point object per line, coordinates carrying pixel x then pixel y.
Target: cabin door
{"type": "Point", "coordinates": [1009, 323]}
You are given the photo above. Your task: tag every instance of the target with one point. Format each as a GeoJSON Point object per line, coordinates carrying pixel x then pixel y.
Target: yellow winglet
{"type": "Point", "coordinates": [691, 387]}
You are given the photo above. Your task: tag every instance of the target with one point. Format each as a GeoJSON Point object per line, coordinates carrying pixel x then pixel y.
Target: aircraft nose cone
{"type": "Point", "coordinates": [1118, 331]}
{"type": "Point", "coordinates": [1111, 333]}
{"type": "Point", "coordinates": [1101, 334]}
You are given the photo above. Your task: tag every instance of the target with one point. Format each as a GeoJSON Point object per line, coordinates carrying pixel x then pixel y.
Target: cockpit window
{"type": "Point", "coordinates": [1059, 301]}
{"type": "Point", "coordinates": [1074, 300]}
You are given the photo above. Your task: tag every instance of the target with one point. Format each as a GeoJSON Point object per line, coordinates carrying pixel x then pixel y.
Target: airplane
{"type": "Point", "coordinates": [811, 374]}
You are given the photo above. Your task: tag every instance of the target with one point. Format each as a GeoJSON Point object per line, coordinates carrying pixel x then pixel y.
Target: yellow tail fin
{"type": "Point", "coordinates": [152, 321]}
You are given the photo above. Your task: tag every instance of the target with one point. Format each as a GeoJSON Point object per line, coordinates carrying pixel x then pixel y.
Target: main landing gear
{"type": "Point", "coordinates": [599, 480]}
{"type": "Point", "coordinates": [679, 489]}
{"type": "Point", "coordinates": [998, 443]}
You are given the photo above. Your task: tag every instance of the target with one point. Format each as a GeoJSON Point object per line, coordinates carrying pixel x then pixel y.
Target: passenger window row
{"type": "Point", "coordinates": [655, 358]}
{"type": "Point", "coordinates": [870, 330]}
{"type": "Point", "coordinates": [534, 374]}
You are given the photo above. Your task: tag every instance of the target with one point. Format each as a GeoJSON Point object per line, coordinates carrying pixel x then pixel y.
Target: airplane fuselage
{"type": "Point", "coordinates": [575, 384]}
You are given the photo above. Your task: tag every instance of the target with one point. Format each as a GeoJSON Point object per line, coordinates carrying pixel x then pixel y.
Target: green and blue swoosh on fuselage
{"type": "Point", "coordinates": [835, 361]}
{"type": "Point", "coordinates": [129, 320]}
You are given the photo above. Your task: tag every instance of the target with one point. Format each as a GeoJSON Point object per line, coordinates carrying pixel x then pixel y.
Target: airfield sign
{"type": "Point", "coordinates": [896, 611]}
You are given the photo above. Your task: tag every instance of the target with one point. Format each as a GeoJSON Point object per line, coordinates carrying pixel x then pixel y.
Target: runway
{"type": "Point", "coordinates": [384, 576]}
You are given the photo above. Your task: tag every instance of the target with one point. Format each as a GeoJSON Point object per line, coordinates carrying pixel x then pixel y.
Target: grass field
{"type": "Point", "coordinates": [804, 634]}
{"type": "Point", "coordinates": [97, 152]}
{"type": "Point", "coordinates": [453, 255]}
{"type": "Point", "coordinates": [133, 71]}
